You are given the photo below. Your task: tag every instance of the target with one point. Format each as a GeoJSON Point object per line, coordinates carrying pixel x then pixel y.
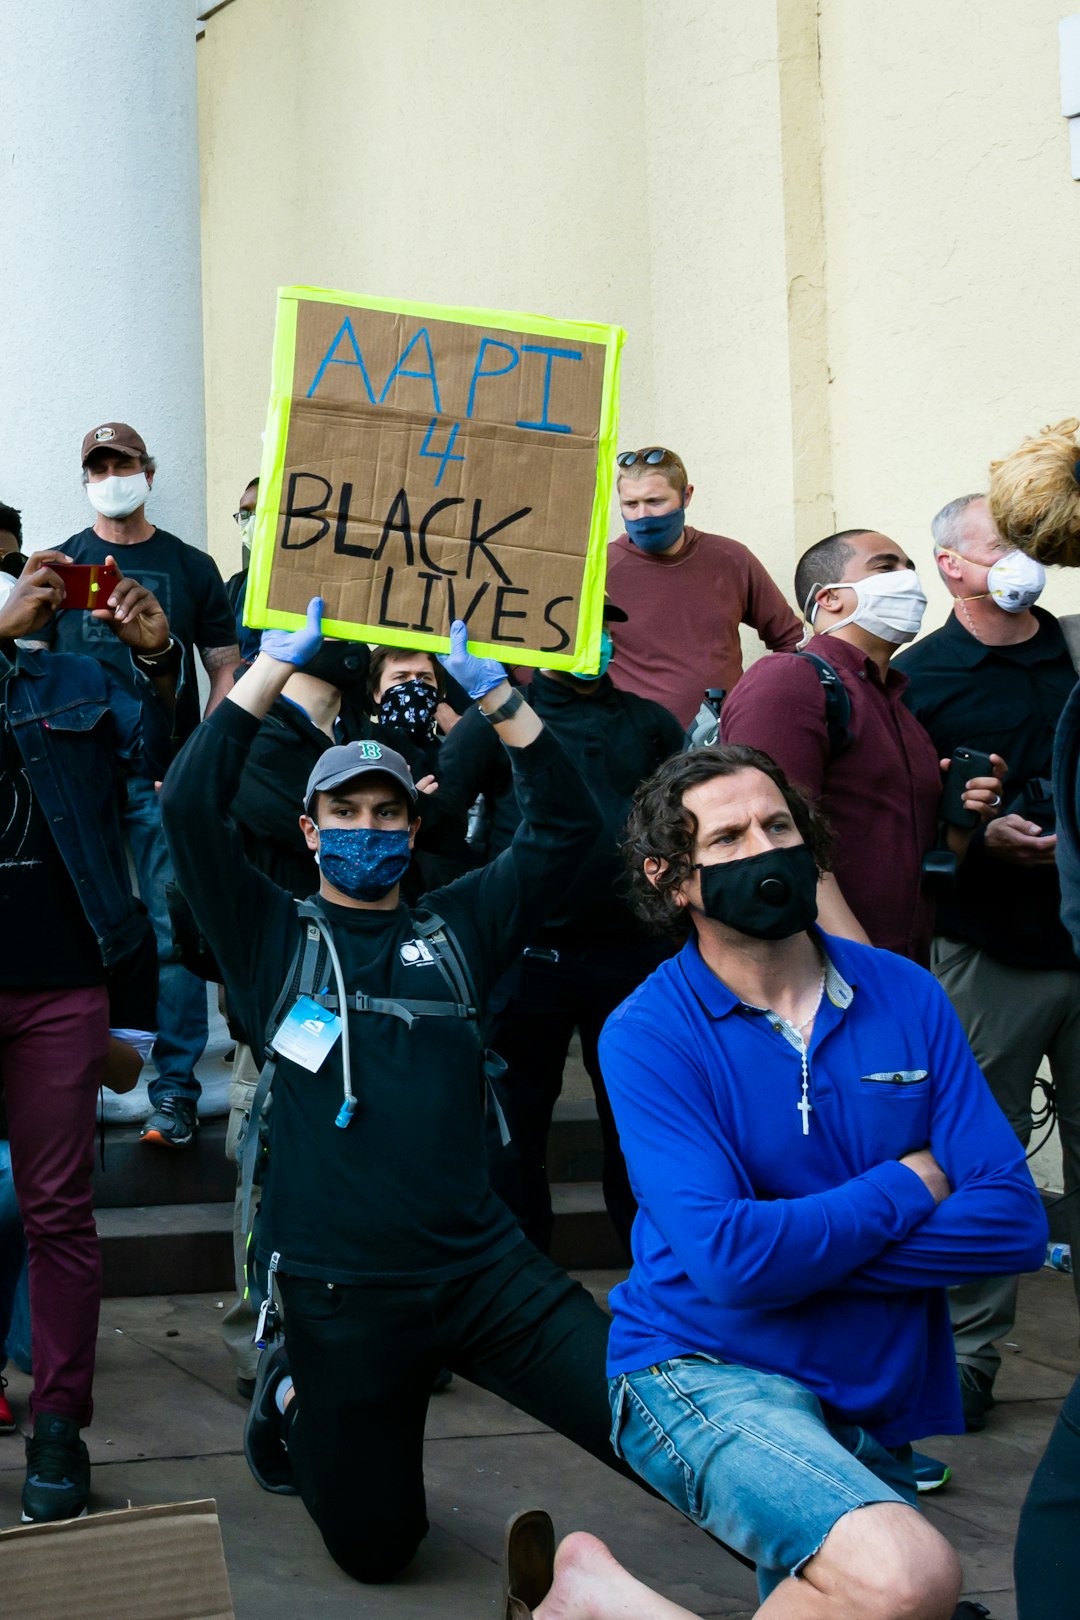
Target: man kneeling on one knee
{"type": "Point", "coordinates": [816, 1156]}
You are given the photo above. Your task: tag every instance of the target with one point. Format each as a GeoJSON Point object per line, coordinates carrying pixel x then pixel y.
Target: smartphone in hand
{"type": "Point", "coordinates": [87, 585]}
{"type": "Point", "coordinates": [966, 763]}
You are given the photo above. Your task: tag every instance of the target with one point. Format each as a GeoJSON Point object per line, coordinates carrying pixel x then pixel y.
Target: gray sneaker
{"type": "Point", "coordinates": [173, 1123]}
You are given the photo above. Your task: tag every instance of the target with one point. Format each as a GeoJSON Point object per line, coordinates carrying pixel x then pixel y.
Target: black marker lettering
{"type": "Point", "coordinates": [429, 562]}
{"type": "Point", "coordinates": [478, 539]}
{"type": "Point", "coordinates": [564, 635]}
{"type": "Point", "coordinates": [429, 581]}
{"type": "Point", "coordinates": [293, 511]}
{"type": "Point", "coordinates": [392, 624]}
{"type": "Point", "coordinates": [501, 613]}
{"type": "Point", "coordinates": [403, 526]}
{"type": "Point", "coordinates": [468, 612]}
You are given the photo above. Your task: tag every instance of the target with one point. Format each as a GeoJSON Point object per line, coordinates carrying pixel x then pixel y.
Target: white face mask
{"type": "Point", "coordinates": [1015, 582]}
{"type": "Point", "coordinates": [7, 585]}
{"type": "Point", "coordinates": [246, 525]}
{"type": "Point", "coordinates": [118, 497]}
{"type": "Point", "coordinates": [889, 606]}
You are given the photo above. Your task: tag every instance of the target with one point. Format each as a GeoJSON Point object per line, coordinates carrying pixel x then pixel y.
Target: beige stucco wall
{"type": "Point", "coordinates": [845, 250]}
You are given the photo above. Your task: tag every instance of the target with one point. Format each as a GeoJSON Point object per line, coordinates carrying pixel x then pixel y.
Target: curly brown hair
{"type": "Point", "coordinates": [661, 828]}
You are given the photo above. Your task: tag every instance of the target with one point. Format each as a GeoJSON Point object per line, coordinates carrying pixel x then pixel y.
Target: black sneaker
{"type": "Point", "coordinates": [976, 1395]}
{"type": "Point", "coordinates": [173, 1122]}
{"type": "Point", "coordinates": [57, 1471]}
{"type": "Point", "coordinates": [264, 1431]}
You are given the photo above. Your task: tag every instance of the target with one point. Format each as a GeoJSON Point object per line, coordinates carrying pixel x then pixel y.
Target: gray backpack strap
{"type": "Point", "coordinates": [452, 963]}
{"type": "Point", "coordinates": [302, 980]}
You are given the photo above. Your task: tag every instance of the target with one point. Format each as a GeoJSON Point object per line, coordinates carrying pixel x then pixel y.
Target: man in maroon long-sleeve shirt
{"type": "Point", "coordinates": [685, 593]}
{"type": "Point", "coordinates": [881, 791]}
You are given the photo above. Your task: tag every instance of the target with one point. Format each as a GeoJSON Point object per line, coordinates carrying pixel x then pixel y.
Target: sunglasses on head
{"type": "Point", "coordinates": [651, 458]}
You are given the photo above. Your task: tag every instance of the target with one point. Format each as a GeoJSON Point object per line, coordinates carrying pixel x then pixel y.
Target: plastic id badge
{"type": "Point", "coordinates": [307, 1034]}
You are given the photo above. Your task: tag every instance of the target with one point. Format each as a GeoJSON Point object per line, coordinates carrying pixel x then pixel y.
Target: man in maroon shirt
{"type": "Point", "coordinates": [685, 593]}
{"type": "Point", "coordinates": [881, 788]}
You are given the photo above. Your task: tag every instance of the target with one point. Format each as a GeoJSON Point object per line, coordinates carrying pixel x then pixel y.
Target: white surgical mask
{"type": "Point", "coordinates": [889, 606]}
{"type": "Point", "coordinates": [116, 497]}
{"type": "Point", "coordinates": [7, 585]}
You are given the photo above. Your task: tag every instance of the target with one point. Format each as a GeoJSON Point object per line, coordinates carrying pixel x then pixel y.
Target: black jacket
{"type": "Point", "coordinates": [617, 739]}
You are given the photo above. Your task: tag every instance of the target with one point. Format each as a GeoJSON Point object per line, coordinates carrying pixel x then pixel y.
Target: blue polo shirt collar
{"type": "Point", "coordinates": [718, 1001]}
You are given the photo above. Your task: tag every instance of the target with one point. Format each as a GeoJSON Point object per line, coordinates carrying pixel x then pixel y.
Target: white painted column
{"type": "Point", "coordinates": [100, 289]}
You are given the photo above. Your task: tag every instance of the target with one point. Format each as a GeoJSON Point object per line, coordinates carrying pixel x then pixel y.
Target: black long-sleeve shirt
{"type": "Point", "coordinates": [401, 1193]}
{"type": "Point", "coordinates": [617, 739]}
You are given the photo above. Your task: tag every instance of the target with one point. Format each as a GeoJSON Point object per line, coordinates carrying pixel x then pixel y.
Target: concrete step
{"type": "Point", "coordinates": [186, 1248]}
{"type": "Point", "coordinates": [584, 1238]}
{"type": "Point", "coordinates": [166, 1249]}
{"type": "Point", "coordinates": [138, 1173]}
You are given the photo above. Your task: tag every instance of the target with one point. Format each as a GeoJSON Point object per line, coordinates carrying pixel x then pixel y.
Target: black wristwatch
{"type": "Point", "coordinates": [505, 711]}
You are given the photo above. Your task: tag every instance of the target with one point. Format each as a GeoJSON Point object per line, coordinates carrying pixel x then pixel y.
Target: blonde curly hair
{"type": "Point", "coordinates": [1035, 495]}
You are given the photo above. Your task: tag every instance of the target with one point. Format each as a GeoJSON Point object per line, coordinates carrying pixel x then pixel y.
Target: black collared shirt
{"type": "Point", "coordinates": [1003, 700]}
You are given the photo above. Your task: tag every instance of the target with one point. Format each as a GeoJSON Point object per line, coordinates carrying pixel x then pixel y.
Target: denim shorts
{"type": "Point", "coordinates": [749, 1456]}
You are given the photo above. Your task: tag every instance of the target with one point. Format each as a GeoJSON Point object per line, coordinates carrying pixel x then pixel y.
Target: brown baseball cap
{"type": "Point", "coordinates": [113, 436]}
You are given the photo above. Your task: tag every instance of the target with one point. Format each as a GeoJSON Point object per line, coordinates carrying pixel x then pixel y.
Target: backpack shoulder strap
{"type": "Point", "coordinates": [837, 702]}
{"type": "Point", "coordinates": [449, 957]}
{"type": "Point", "coordinates": [1070, 629]}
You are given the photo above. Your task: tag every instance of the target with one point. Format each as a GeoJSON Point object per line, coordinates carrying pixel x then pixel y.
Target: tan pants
{"type": "Point", "coordinates": [1013, 1018]}
{"type": "Point", "coordinates": [238, 1325]}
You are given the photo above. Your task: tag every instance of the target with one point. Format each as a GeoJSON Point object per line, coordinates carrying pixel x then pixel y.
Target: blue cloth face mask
{"type": "Point", "coordinates": [607, 647]}
{"type": "Point", "coordinates": [363, 862]}
{"type": "Point", "coordinates": [654, 534]}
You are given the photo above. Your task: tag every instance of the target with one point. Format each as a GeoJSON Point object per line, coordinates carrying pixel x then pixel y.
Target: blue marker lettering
{"type": "Point", "coordinates": [478, 369]}
{"type": "Point", "coordinates": [441, 456]}
{"type": "Point", "coordinates": [552, 355]}
{"type": "Point", "coordinates": [428, 375]}
{"type": "Point", "coordinates": [330, 359]}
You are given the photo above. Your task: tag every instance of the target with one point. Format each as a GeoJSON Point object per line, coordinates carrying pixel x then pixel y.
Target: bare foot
{"type": "Point", "coordinates": [590, 1584]}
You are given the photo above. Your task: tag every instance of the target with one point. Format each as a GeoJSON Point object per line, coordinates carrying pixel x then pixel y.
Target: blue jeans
{"type": "Point", "coordinates": [14, 1297]}
{"type": "Point", "coordinates": [182, 1023]}
{"type": "Point", "coordinates": [750, 1457]}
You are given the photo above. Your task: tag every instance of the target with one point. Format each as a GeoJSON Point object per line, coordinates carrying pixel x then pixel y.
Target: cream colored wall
{"type": "Point", "coordinates": [525, 157]}
{"type": "Point", "coordinates": [844, 248]}
{"type": "Point", "coordinates": [953, 256]}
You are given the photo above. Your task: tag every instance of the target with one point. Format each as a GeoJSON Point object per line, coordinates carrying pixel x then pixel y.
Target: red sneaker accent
{"type": "Point", "coordinates": [7, 1420]}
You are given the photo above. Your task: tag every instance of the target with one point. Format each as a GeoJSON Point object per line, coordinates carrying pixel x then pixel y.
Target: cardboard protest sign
{"type": "Point", "coordinates": [423, 464]}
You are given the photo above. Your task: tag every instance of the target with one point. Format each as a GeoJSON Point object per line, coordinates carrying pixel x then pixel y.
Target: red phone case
{"type": "Point", "coordinates": [86, 585]}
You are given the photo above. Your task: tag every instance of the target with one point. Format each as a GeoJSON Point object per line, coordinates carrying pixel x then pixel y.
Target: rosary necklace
{"type": "Point", "coordinates": [804, 1105]}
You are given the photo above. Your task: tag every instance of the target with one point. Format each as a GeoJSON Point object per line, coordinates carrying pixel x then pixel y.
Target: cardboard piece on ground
{"type": "Point", "coordinates": [423, 463]}
{"type": "Point", "coordinates": [147, 1563]}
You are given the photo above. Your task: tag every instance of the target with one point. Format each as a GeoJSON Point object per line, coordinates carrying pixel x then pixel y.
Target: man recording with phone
{"type": "Point", "coordinates": [118, 475]}
{"type": "Point", "coordinates": [72, 930]}
{"type": "Point", "coordinates": [997, 676]}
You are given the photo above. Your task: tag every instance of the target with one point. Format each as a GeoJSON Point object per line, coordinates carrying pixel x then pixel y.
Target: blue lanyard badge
{"type": "Point", "coordinates": [307, 1034]}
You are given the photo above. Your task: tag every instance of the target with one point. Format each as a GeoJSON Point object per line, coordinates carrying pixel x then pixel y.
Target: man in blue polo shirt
{"type": "Point", "coordinates": [815, 1156]}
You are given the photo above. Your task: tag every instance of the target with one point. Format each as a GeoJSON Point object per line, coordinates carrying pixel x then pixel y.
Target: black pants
{"type": "Point", "coordinates": [1048, 1541]}
{"type": "Point", "coordinates": [364, 1358]}
{"type": "Point", "coordinates": [533, 1013]}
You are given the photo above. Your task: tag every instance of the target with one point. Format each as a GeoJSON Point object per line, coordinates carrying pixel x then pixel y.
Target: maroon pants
{"type": "Point", "coordinates": [52, 1056]}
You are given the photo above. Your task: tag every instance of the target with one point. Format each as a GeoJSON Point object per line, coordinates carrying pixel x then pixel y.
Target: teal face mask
{"type": "Point", "coordinates": [607, 647]}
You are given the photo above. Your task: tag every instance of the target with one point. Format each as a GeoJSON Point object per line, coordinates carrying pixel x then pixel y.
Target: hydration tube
{"type": "Point", "coordinates": [348, 1106]}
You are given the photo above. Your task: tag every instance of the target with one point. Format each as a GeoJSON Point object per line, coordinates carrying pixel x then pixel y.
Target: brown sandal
{"type": "Point", "coordinates": [530, 1562]}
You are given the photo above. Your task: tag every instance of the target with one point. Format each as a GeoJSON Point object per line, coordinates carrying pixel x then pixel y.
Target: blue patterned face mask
{"type": "Point", "coordinates": [363, 862]}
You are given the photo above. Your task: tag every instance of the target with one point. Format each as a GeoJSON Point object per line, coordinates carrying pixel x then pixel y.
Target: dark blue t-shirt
{"type": "Point", "coordinates": [189, 588]}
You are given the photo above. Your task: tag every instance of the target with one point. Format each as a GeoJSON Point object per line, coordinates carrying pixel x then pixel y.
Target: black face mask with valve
{"type": "Point", "coordinates": [769, 896]}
